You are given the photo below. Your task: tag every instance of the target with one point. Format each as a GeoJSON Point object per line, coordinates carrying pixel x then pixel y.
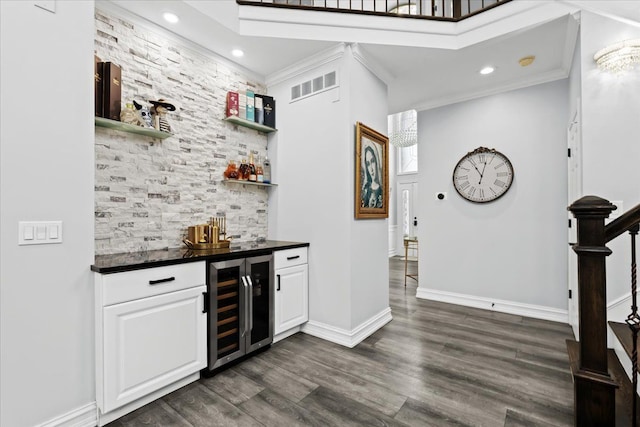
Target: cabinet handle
{"type": "Point", "coordinates": [243, 318]}
{"type": "Point", "coordinates": [205, 304]}
{"type": "Point", "coordinates": [155, 282]}
{"type": "Point", "coordinates": [289, 258]}
{"type": "Point", "coordinates": [278, 276]}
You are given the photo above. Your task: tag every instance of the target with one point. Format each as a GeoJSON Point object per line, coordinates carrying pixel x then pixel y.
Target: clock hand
{"type": "Point", "coordinates": [482, 174]}
{"type": "Point", "coordinates": [478, 170]}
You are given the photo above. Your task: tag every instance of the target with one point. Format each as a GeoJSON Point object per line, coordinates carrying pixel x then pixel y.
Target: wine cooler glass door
{"type": "Point", "coordinates": [227, 318]}
{"type": "Point", "coordinates": [259, 276]}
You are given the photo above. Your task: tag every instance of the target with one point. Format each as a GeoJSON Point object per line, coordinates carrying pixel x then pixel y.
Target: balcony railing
{"type": "Point", "coordinates": [442, 10]}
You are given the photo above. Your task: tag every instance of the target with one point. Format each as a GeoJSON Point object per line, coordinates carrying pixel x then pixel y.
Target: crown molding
{"type": "Point", "coordinates": [521, 84]}
{"type": "Point", "coordinates": [311, 63]}
{"type": "Point", "coordinates": [373, 66]}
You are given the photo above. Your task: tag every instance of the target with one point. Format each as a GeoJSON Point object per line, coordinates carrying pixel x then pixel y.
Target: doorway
{"type": "Point", "coordinates": [408, 215]}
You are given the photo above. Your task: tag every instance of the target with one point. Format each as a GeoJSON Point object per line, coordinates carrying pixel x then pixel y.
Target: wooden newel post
{"type": "Point", "coordinates": [594, 390]}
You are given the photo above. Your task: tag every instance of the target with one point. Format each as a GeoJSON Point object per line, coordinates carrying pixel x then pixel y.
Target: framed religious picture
{"type": "Point", "coordinates": [372, 173]}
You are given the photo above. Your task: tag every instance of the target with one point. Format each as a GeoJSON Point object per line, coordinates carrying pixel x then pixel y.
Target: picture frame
{"type": "Point", "coordinates": [371, 173]}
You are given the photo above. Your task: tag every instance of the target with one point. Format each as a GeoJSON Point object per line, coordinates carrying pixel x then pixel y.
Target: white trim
{"type": "Point", "coordinates": [571, 38]}
{"type": "Point", "coordinates": [123, 410]}
{"type": "Point", "coordinates": [376, 69]}
{"type": "Point", "coordinates": [511, 307]}
{"type": "Point", "coordinates": [520, 84]}
{"type": "Point", "coordinates": [348, 338]}
{"type": "Point", "coordinates": [306, 65]}
{"type": "Point", "coordinates": [619, 301]}
{"type": "Point", "coordinates": [393, 238]}
{"type": "Point", "coordinates": [286, 334]}
{"type": "Point", "coordinates": [84, 416]}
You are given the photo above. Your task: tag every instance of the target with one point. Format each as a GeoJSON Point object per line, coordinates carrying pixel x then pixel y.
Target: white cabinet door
{"type": "Point", "coordinates": [152, 342]}
{"type": "Point", "coordinates": [291, 297]}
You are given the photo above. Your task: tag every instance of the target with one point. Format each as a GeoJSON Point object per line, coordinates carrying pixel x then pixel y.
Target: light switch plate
{"type": "Point", "coordinates": [39, 232]}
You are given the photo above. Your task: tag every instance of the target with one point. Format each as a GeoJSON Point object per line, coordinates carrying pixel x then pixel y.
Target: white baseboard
{"type": "Point", "coordinates": [344, 337]}
{"type": "Point", "coordinates": [286, 334]}
{"type": "Point", "coordinates": [85, 416]}
{"type": "Point", "coordinates": [511, 307]}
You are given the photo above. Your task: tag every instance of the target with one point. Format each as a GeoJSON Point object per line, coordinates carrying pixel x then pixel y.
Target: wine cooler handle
{"type": "Point", "coordinates": [277, 275]}
{"type": "Point", "coordinates": [250, 303]}
{"type": "Point", "coordinates": [243, 327]}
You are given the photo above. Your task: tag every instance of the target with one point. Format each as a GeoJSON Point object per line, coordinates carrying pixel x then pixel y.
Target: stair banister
{"type": "Point", "coordinates": [594, 390]}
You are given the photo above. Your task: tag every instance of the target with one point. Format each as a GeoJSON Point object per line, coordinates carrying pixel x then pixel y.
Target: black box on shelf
{"type": "Point", "coordinates": [269, 107]}
{"type": "Point", "coordinates": [112, 91]}
{"type": "Point", "coordinates": [97, 75]}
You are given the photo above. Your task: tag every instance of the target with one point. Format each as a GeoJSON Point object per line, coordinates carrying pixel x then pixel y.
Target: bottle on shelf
{"type": "Point", "coordinates": [243, 170]}
{"type": "Point", "coordinates": [252, 169]}
{"type": "Point", "coordinates": [259, 171]}
{"type": "Point", "coordinates": [266, 171]}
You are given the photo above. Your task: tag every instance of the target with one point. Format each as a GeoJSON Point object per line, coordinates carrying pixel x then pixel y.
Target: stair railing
{"type": "Point", "coordinates": [594, 389]}
{"type": "Point", "coordinates": [453, 11]}
{"type": "Point", "coordinates": [630, 222]}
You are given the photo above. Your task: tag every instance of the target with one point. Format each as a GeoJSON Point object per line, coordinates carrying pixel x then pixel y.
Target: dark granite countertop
{"type": "Point", "coordinates": [117, 263]}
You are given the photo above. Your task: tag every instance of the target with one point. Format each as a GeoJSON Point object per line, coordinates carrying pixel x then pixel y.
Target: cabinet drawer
{"type": "Point", "coordinates": [132, 285]}
{"type": "Point", "coordinates": [290, 257]}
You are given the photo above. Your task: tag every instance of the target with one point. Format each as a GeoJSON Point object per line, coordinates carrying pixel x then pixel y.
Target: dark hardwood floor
{"type": "Point", "coordinates": [435, 364]}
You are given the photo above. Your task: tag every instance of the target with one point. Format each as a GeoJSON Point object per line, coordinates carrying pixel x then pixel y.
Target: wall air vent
{"type": "Point", "coordinates": [313, 86]}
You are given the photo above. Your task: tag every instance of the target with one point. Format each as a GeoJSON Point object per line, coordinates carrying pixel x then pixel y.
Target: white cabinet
{"type": "Point", "coordinates": [150, 334]}
{"type": "Point", "coordinates": [291, 303]}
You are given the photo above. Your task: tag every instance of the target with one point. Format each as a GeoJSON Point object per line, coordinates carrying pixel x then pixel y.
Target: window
{"type": "Point", "coordinates": [408, 159]}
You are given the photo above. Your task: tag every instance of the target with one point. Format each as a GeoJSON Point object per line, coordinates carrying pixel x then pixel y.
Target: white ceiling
{"type": "Point", "coordinates": [417, 77]}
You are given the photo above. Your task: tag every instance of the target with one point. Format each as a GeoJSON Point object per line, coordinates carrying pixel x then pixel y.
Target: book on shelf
{"type": "Point", "coordinates": [269, 107]}
{"type": "Point", "coordinates": [258, 110]}
{"type": "Point", "coordinates": [97, 75]}
{"type": "Point", "coordinates": [112, 91]}
{"type": "Point", "coordinates": [250, 106]}
{"type": "Point", "coordinates": [232, 104]}
{"type": "Point", "coordinates": [242, 104]}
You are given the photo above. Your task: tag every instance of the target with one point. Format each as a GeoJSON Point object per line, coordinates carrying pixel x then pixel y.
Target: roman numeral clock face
{"type": "Point", "coordinates": [483, 175]}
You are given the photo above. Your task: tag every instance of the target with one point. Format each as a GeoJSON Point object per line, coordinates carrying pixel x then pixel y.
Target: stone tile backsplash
{"type": "Point", "coordinates": [147, 192]}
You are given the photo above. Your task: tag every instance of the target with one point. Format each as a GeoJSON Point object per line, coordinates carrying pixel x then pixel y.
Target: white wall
{"type": "Point", "coordinates": [611, 125]}
{"type": "Point", "coordinates": [46, 156]}
{"type": "Point", "coordinates": [512, 249]}
{"type": "Point", "coordinates": [369, 238]}
{"type": "Point", "coordinates": [310, 159]}
{"type": "Point", "coordinates": [313, 156]}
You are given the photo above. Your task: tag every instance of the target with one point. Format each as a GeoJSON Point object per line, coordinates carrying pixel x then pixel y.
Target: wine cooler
{"type": "Point", "coordinates": [240, 299]}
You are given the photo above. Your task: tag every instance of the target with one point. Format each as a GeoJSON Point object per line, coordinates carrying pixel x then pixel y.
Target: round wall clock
{"type": "Point", "coordinates": [483, 175]}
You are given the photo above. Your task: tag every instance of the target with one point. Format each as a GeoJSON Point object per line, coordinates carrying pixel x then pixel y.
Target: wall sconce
{"type": "Point", "coordinates": [619, 56]}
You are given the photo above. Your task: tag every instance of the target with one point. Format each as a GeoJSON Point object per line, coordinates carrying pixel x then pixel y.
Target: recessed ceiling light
{"type": "Point", "coordinates": [237, 53]}
{"type": "Point", "coordinates": [487, 70]}
{"type": "Point", "coordinates": [170, 17]}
